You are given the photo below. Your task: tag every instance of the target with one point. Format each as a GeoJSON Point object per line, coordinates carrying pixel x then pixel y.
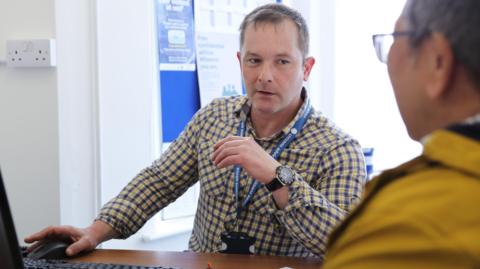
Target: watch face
{"type": "Point", "coordinates": [285, 175]}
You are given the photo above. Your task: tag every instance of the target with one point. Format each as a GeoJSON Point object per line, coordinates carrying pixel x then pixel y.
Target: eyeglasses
{"type": "Point", "coordinates": [383, 43]}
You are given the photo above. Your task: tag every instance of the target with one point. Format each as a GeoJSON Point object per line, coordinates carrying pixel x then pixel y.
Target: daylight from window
{"type": "Point", "coordinates": [364, 104]}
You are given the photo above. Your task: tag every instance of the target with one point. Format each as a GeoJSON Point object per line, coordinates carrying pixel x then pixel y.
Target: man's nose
{"type": "Point", "coordinates": [266, 74]}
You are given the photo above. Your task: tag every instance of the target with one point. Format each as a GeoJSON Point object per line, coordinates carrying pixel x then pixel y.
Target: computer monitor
{"type": "Point", "coordinates": [10, 257]}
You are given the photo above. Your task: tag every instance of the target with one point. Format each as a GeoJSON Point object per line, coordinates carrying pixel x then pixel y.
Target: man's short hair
{"type": "Point", "coordinates": [457, 20]}
{"type": "Point", "coordinates": [276, 14]}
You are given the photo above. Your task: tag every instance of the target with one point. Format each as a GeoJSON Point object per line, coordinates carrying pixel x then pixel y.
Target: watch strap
{"type": "Point", "coordinates": [274, 185]}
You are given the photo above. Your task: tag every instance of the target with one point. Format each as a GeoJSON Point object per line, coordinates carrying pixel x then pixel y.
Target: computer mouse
{"type": "Point", "coordinates": [54, 250]}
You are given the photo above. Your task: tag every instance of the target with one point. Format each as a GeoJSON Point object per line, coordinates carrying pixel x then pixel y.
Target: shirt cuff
{"type": "Point", "coordinates": [299, 195]}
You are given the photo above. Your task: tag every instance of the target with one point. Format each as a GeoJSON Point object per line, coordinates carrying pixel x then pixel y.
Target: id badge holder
{"type": "Point", "coordinates": [237, 243]}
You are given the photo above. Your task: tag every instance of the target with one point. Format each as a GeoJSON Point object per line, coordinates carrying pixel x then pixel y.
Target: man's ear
{"type": "Point", "coordinates": [307, 67]}
{"type": "Point", "coordinates": [239, 57]}
{"type": "Point", "coordinates": [440, 65]}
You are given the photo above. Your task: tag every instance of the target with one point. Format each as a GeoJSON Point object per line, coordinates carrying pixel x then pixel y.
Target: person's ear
{"type": "Point", "coordinates": [440, 65]}
{"type": "Point", "coordinates": [307, 67]}
{"type": "Point", "coordinates": [239, 57]}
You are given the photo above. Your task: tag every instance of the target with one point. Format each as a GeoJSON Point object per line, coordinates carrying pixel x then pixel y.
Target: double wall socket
{"type": "Point", "coordinates": [31, 53]}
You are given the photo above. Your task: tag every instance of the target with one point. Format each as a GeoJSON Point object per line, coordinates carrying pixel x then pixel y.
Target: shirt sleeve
{"type": "Point", "coordinates": [155, 186]}
{"type": "Point", "coordinates": [313, 210]}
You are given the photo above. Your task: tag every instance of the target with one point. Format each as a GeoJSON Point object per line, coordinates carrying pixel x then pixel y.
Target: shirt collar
{"type": "Point", "coordinates": [472, 120]}
{"type": "Point", "coordinates": [475, 119]}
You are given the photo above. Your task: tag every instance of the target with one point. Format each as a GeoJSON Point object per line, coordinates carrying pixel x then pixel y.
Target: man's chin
{"type": "Point", "coordinates": [264, 108]}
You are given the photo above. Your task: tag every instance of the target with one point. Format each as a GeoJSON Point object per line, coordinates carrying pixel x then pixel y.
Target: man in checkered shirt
{"type": "Point", "coordinates": [304, 190]}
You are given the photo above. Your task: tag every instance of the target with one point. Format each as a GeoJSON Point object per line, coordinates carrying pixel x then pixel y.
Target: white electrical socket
{"type": "Point", "coordinates": [31, 53]}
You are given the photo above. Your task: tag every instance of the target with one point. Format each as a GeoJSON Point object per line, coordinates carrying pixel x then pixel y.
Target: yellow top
{"type": "Point", "coordinates": [423, 214]}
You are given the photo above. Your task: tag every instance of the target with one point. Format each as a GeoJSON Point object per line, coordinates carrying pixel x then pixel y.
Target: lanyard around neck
{"type": "Point", "coordinates": [285, 141]}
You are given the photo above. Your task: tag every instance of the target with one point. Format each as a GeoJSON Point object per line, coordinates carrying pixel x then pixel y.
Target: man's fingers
{"type": "Point", "coordinates": [44, 233]}
{"type": "Point", "coordinates": [235, 142]}
{"type": "Point", "coordinates": [230, 148]}
{"type": "Point", "coordinates": [81, 245]}
{"type": "Point", "coordinates": [67, 232]}
{"type": "Point", "coordinates": [227, 139]}
{"type": "Point", "coordinates": [221, 142]}
{"type": "Point", "coordinates": [54, 233]}
{"type": "Point", "coordinates": [34, 246]}
{"type": "Point", "coordinates": [229, 160]}
{"type": "Point", "coordinates": [79, 238]}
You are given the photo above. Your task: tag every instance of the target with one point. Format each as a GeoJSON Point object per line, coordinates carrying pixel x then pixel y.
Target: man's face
{"type": "Point", "coordinates": [272, 67]}
{"type": "Point", "coordinates": [405, 74]}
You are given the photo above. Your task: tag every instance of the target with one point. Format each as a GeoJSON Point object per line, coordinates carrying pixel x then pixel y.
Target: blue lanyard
{"type": "Point", "coordinates": [286, 140]}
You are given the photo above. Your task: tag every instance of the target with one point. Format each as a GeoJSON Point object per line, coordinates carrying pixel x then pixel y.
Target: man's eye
{"type": "Point", "coordinates": [283, 61]}
{"type": "Point", "coordinates": [253, 61]}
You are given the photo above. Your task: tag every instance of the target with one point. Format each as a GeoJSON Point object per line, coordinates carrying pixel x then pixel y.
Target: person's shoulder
{"type": "Point", "coordinates": [436, 179]}
{"type": "Point", "coordinates": [430, 195]}
{"type": "Point", "coordinates": [326, 132]}
{"type": "Point", "coordinates": [436, 206]}
{"type": "Point", "coordinates": [424, 211]}
{"type": "Point", "coordinates": [222, 108]}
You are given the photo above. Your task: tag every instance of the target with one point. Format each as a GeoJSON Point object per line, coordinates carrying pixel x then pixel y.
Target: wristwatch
{"type": "Point", "coordinates": [283, 176]}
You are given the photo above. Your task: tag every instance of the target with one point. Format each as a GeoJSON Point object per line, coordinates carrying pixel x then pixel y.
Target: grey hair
{"type": "Point", "coordinates": [276, 14]}
{"type": "Point", "coordinates": [457, 20]}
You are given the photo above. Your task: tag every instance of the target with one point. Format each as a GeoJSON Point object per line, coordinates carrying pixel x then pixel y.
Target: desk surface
{"type": "Point", "coordinates": [191, 260]}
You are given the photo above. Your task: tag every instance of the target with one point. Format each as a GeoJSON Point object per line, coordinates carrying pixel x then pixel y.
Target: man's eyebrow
{"type": "Point", "coordinates": [281, 55]}
{"type": "Point", "coordinates": [249, 53]}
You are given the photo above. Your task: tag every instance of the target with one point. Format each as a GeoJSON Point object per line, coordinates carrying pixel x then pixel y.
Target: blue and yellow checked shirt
{"type": "Point", "coordinates": [330, 178]}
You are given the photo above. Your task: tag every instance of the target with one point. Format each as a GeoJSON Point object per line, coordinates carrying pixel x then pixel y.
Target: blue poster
{"type": "Point", "coordinates": [178, 78]}
{"type": "Point", "coordinates": [176, 35]}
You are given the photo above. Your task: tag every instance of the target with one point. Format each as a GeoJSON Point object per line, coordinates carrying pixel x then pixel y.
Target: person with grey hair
{"type": "Point", "coordinates": [275, 175]}
{"type": "Point", "coordinates": [424, 214]}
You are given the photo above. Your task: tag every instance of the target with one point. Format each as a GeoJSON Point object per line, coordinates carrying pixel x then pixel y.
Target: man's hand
{"type": "Point", "coordinates": [244, 151]}
{"type": "Point", "coordinates": [81, 239]}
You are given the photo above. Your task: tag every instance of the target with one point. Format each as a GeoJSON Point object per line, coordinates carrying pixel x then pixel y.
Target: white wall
{"type": "Point", "coordinates": [128, 91]}
{"type": "Point", "coordinates": [78, 111]}
{"type": "Point", "coordinates": [320, 17]}
{"type": "Point", "coordinates": [29, 156]}
{"type": "Point", "coordinates": [364, 102]}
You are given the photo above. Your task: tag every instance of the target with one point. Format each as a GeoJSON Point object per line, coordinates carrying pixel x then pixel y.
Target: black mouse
{"type": "Point", "coordinates": [50, 250]}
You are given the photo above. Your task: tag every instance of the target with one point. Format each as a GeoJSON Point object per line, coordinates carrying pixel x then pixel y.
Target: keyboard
{"type": "Point", "coordinates": [62, 264]}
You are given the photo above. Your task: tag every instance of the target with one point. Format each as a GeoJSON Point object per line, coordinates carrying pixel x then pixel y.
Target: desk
{"type": "Point", "coordinates": [192, 260]}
